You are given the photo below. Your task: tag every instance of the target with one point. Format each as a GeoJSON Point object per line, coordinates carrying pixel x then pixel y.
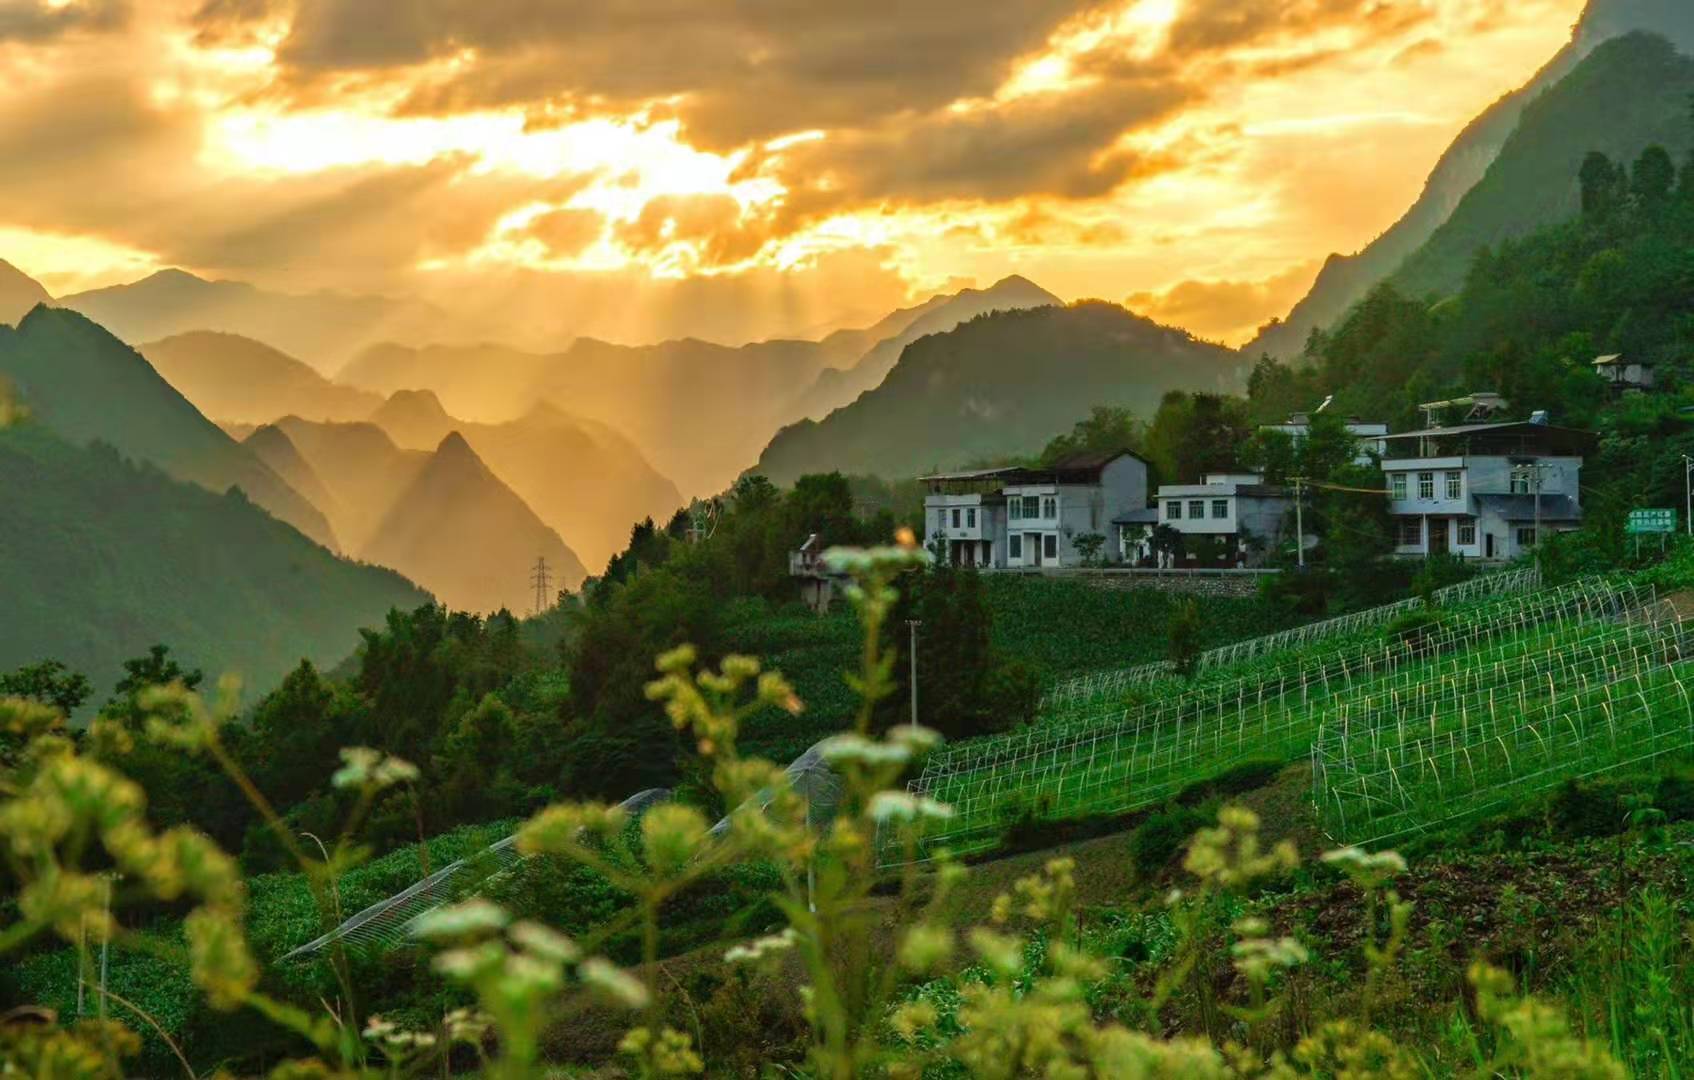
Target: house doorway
{"type": "Point", "coordinates": [1032, 548]}
{"type": "Point", "coordinates": [1488, 546]}
{"type": "Point", "coordinates": [1438, 536]}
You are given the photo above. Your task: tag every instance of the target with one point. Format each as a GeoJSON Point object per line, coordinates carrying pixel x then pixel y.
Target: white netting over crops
{"type": "Point", "coordinates": [1581, 706]}
{"type": "Point", "coordinates": [1083, 688]}
{"type": "Point", "coordinates": [388, 922]}
{"type": "Point", "coordinates": [1119, 760]}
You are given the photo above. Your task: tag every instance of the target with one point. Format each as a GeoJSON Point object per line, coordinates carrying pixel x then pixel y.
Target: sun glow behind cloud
{"type": "Point", "coordinates": [1225, 160]}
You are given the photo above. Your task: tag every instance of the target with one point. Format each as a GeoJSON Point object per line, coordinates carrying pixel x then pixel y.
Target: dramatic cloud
{"type": "Point", "coordinates": [38, 20]}
{"type": "Point", "coordinates": [637, 168]}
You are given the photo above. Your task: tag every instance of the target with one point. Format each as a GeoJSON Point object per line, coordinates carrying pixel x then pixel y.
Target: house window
{"type": "Point", "coordinates": [1526, 536]}
{"type": "Point", "coordinates": [1031, 506]}
{"type": "Point", "coordinates": [1050, 546]}
{"type": "Point", "coordinates": [1173, 510]}
{"type": "Point", "coordinates": [1014, 509]}
{"type": "Point", "coordinates": [1049, 507]}
{"type": "Point", "coordinates": [1411, 532]}
{"type": "Point", "coordinates": [1220, 508]}
{"type": "Point", "coordinates": [1426, 485]}
{"type": "Point", "coordinates": [1197, 508]}
{"type": "Point", "coordinates": [970, 518]}
{"type": "Point", "coordinates": [955, 517]}
{"type": "Point", "coordinates": [1455, 486]}
{"type": "Point", "coordinates": [1520, 482]}
{"type": "Point", "coordinates": [1467, 533]}
{"type": "Point", "coordinates": [1397, 484]}
{"type": "Point", "coordinates": [1014, 546]}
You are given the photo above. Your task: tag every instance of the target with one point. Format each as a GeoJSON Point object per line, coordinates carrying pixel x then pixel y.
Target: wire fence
{"type": "Point", "coordinates": [1122, 760]}
{"type": "Point", "coordinates": [1094, 685]}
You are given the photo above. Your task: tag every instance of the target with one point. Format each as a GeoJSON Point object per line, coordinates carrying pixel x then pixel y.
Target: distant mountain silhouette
{"type": "Point", "coordinates": [999, 386]}
{"type": "Point", "coordinates": [18, 293]}
{"type": "Point", "coordinates": [414, 419]}
{"type": "Point", "coordinates": [101, 558]}
{"type": "Point", "coordinates": [272, 446]}
{"type": "Point", "coordinates": [360, 466]}
{"type": "Point", "coordinates": [457, 527]}
{"type": "Point", "coordinates": [1346, 278]}
{"type": "Point", "coordinates": [320, 328]}
{"type": "Point", "coordinates": [835, 388]}
{"type": "Point", "coordinates": [235, 378]}
{"type": "Point", "coordinates": [440, 516]}
{"type": "Point", "coordinates": [700, 412]}
{"type": "Point", "coordinates": [85, 384]}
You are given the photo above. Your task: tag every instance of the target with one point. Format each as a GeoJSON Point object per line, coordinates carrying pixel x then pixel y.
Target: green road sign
{"type": "Point", "coordinates": [1650, 521]}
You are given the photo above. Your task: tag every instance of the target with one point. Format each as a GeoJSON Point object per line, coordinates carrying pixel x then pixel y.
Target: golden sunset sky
{"type": "Point", "coordinates": [738, 168]}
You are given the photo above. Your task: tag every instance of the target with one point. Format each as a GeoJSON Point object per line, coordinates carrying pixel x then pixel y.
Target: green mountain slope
{"type": "Point", "coordinates": [234, 378]}
{"type": "Point", "coordinates": [85, 384]}
{"type": "Point", "coordinates": [456, 527]}
{"type": "Point", "coordinates": [837, 387]}
{"type": "Point", "coordinates": [1631, 92]}
{"type": "Point", "coordinates": [1345, 279]}
{"type": "Point", "coordinates": [998, 386]}
{"type": "Point", "coordinates": [101, 558]}
{"type": "Point", "coordinates": [585, 480]}
{"type": "Point", "coordinates": [18, 293]}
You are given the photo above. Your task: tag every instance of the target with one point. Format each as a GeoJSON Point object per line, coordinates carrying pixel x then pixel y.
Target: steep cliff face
{"type": "Point", "coordinates": [1346, 278]}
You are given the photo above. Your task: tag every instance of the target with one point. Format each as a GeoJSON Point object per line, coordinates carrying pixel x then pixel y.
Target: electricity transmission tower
{"type": "Point", "coordinates": [539, 577]}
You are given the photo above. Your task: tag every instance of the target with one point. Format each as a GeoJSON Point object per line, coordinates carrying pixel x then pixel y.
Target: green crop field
{"type": "Point", "coordinates": [1114, 757]}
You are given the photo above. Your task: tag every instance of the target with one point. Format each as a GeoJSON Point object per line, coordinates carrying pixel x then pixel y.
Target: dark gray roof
{"type": "Point", "coordinates": [1145, 516]}
{"type": "Point", "coordinates": [1522, 507]}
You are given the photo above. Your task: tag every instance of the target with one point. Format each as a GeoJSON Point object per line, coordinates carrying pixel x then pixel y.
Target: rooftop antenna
{"type": "Point", "coordinates": [1325, 404]}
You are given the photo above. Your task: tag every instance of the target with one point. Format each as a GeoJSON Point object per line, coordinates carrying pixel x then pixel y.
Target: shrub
{"type": "Point", "coordinates": [1162, 835]}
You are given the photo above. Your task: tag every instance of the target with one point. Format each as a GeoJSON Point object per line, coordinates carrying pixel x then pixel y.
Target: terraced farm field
{"type": "Point", "coordinates": [1362, 699]}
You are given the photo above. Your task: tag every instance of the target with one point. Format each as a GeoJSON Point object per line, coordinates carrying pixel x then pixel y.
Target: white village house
{"type": "Point", "coordinates": [1485, 490]}
{"type": "Point", "coordinates": [1239, 511]}
{"type": "Point", "coordinates": [1033, 516]}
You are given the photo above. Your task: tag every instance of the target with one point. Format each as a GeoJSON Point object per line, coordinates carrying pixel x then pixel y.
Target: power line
{"type": "Point", "coordinates": [542, 581]}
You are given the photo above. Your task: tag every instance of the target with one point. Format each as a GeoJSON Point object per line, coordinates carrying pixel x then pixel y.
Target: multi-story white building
{"type": "Point", "coordinates": [1234, 508]}
{"type": "Point", "coordinates": [1483, 490]}
{"type": "Point", "coordinates": [1018, 516]}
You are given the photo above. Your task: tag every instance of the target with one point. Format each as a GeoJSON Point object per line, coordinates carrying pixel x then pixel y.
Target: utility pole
{"type": "Point", "coordinates": [1299, 521]}
{"type": "Point", "coordinates": [540, 579]}
{"type": "Point", "coordinates": [912, 625]}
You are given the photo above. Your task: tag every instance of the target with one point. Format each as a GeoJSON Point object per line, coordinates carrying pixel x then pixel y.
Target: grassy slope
{"type": "Point", "coordinates": [100, 559]}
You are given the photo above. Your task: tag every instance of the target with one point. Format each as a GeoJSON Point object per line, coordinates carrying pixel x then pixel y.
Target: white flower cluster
{"type": "Point", "coordinates": [759, 948]}
{"type": "Point", "coordinates": [899, 807]}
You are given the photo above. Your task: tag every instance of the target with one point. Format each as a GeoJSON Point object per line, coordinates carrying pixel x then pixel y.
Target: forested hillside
{"type": "Point", "coordinates": [1630, 93]}
{"type": "Point", "coordinates": [1000, 386]}
{"type": "Point", "coordinates": [1345, 279]}
{"type": "Point", "coordinates": [85, 384]}
{"type": "Point", "coordinates": [101, 558]}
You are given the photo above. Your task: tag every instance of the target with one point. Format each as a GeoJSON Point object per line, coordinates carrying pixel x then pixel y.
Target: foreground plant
{"type": "Point", "coordinates": [1028, 981]}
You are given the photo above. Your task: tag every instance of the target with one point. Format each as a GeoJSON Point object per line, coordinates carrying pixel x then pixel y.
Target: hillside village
{"type": "Point", "coordinates": [1483, 489]}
